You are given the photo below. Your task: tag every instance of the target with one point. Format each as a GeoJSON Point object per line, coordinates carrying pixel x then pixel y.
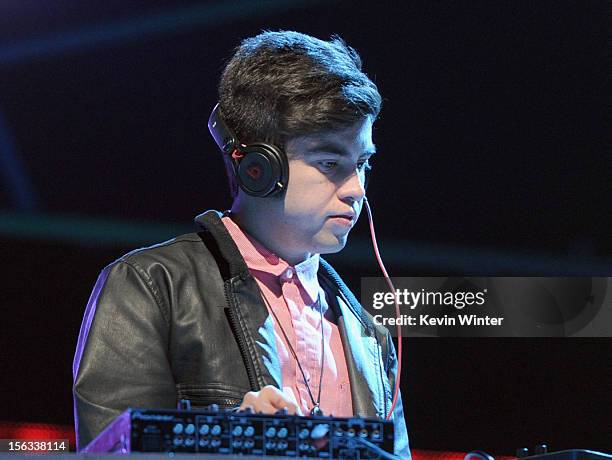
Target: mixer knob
{"type": "Point", "coordinates": [540, 449]}
{"type": "Point", "coordinates": [203, 442]}
{"type": "Point", "coordinates": [270, 445]}
{"type": "Point", "coordinates": [177, 428]}
{"type": "Point", "coordinates": [522, 452]}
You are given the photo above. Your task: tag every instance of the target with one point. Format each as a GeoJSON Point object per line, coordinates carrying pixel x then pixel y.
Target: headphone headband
{"type": "Point", "coordinates": [222, 135]}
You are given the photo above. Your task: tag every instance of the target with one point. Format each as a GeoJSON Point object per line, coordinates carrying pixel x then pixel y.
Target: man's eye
{"type": "Point", "coordinates": [328, 165]}
{"type": "Point", "coordinates": [364, 165]}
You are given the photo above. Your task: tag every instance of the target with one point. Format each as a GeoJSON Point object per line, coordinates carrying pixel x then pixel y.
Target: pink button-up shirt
{"type": "Point", "coordinates": [297, 300]}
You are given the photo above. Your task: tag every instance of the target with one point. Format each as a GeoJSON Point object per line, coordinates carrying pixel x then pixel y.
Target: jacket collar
{"type": "Point", "coordinates": [255, 329]}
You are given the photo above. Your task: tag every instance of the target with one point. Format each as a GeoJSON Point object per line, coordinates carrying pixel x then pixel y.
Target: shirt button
{"type": "Point", "coordinates": [288, 274]}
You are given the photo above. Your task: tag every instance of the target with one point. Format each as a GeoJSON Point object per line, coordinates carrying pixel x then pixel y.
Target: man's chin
{"type": "Point", "coordinates": [334, 245]}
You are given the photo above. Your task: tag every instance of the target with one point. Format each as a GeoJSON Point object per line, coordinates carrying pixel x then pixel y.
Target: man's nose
{"type": "Point", "coordinates": [353, 187]}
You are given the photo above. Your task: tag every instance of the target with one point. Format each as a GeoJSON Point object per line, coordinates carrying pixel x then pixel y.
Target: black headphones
{"type": "Point", "coordinates": [261, 169]}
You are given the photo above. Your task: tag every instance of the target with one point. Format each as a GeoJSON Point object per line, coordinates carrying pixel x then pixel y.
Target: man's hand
{"type": "Point", "coordinates": [269, 400]}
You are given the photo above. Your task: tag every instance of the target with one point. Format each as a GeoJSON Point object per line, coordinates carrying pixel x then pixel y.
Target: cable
{"type": "Point", "coordinates": [396, 390]}
{"type": "Point", "coordinates": [374, 448]}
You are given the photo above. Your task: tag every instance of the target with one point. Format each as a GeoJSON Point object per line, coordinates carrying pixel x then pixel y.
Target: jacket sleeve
{"type": "Point", "coordinates": [121, 358]}
{"type": "Point", "coordinates": [402, 448]}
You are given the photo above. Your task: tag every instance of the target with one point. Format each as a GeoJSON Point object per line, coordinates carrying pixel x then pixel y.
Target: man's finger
{"type": "Point", "coordinates": [291, 397]}
{"type": "Point", "coordinates": [246, 406]}
{"type": "Point", "coordinates": [265, 407]}
{"type": "Point", "coordinates": [281, 401]}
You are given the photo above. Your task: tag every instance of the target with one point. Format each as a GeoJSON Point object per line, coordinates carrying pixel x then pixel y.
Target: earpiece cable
{"type": "Point", "coordinates": [397, 310]}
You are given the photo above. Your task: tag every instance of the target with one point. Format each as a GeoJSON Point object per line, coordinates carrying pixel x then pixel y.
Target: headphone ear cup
{"type": "Point", "coordinates": [263, 170]}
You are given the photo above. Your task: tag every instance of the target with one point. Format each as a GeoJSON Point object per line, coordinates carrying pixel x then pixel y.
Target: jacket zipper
{"type": "Point", "coordinates": [208, 400]}
{"type": "Point", "coordinates": [242, 345]}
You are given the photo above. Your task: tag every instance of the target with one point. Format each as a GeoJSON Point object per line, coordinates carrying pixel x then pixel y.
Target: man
{"type": "Point", "coordinates": [245, 313]}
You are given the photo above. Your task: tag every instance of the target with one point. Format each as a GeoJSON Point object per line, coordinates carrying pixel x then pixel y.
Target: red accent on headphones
{"type": "Point", "coordinates": [237, 155]}
{"type": "Point", "coordinates": [254, 171]}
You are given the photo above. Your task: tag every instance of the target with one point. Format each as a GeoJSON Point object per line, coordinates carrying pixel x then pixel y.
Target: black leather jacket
{"type": "Point", "coordinates": [184, 319]}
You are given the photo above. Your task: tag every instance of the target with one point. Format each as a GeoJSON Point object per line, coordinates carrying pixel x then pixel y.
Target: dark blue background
{"type": "Point", "coordinates": [493, 160]}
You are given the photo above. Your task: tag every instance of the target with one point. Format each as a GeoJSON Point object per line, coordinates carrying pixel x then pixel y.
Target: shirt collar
{"type": "Point", "coordinates": [258, 257]}
{"type": "Point", "coordinates": [307, 274]}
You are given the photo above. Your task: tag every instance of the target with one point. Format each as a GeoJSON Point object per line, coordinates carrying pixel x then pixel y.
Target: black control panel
{"type": "Point", "coordinates": [226, 432]}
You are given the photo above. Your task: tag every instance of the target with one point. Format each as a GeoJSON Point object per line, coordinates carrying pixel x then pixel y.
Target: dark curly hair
{"type": "Point", "coordinates": [280, 85]}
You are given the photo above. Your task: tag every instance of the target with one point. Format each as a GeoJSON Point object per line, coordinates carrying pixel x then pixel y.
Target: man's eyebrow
{"type": "Point", "coordinates": [332, 147]}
